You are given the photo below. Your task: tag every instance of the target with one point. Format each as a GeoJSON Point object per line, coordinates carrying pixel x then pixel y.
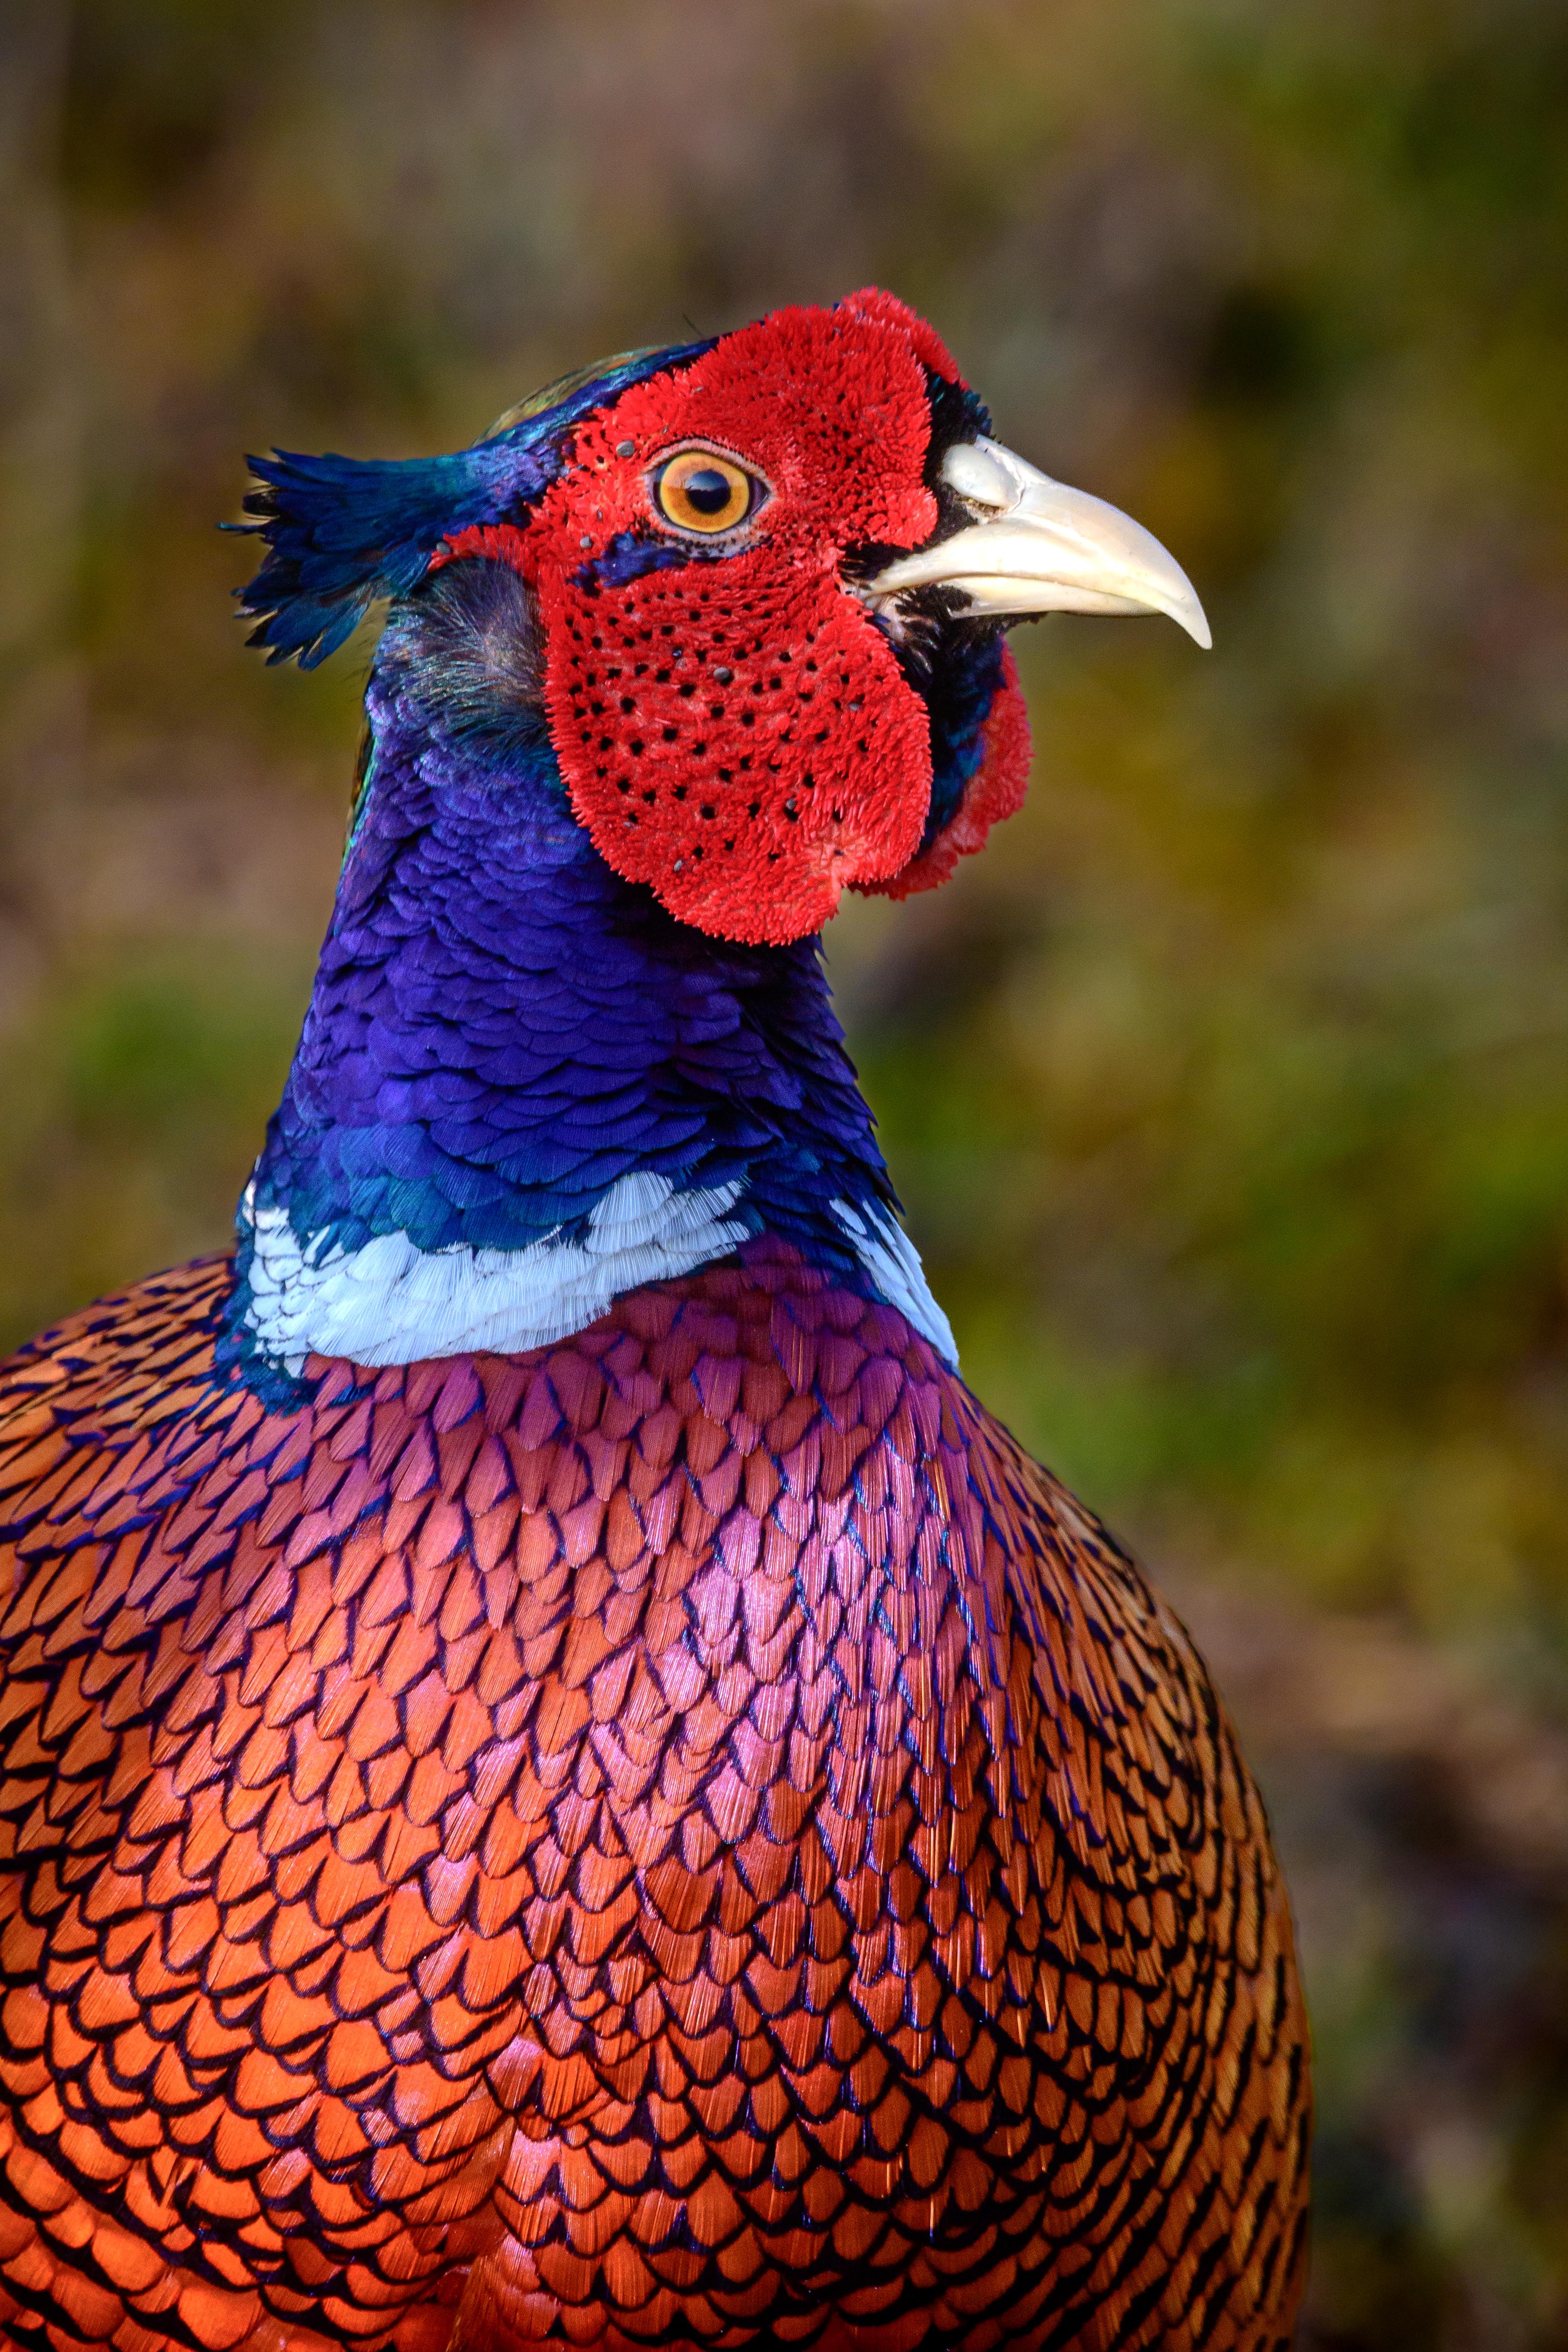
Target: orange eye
{"type": "Point", "coordinates": [698, 491]}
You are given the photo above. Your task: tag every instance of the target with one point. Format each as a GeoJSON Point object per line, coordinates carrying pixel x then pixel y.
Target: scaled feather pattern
{"type": "Point", "coordinates": [693, 1829]}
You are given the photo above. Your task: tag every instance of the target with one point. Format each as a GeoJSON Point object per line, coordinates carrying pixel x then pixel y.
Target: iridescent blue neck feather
{"type": "Point", "coordinates": [523, 1088]}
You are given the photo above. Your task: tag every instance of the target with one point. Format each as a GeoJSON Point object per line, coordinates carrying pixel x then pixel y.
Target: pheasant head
{"type": "Point", "coordinates": [765, 586]}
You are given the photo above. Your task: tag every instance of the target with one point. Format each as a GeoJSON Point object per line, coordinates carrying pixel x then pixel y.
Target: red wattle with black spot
{"type": "Point", "coordinates": [747, 803]}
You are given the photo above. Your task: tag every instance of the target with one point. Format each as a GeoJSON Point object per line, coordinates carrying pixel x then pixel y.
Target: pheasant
{"type": "Point", "coordinates": [563, 1780]}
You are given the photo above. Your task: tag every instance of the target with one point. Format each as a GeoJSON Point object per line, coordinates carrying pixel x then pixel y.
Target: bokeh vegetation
{"type": "Point", "coordinates": [1228, 1093]}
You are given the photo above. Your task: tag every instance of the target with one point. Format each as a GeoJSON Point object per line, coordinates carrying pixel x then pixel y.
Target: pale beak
{"type": "Point", "coordinates": [1040, 547]}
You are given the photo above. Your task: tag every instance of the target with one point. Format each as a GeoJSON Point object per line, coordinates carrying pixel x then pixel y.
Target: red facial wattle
{"type": "Point", "coordinates": [735, 731]}
{"type": "Point", "coordinates": [749, 830]}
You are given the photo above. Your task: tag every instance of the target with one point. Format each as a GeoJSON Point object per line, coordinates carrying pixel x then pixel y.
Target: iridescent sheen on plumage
{"type": "Point", "coordinates": [688, 1837]}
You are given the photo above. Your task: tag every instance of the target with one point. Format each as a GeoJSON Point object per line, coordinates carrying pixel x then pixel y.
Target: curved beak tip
{"type": "Point", "coordinates": [1196, 626]}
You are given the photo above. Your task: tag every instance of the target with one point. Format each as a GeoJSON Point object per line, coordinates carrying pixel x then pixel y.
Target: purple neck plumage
{"type": "Point", "coordinates": [517, 1071]}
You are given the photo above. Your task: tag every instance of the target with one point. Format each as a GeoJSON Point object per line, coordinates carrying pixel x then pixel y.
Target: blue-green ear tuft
{"type": "Point", "coordinates": [341, 532]}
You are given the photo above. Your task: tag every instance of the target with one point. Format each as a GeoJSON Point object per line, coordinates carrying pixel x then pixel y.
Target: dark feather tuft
{"type": "Point", "coordinates": [343, 532]}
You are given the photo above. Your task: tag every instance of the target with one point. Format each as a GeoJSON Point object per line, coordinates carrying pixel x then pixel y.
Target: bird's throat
{"type": "Point", "coordinates": [523, 1089]}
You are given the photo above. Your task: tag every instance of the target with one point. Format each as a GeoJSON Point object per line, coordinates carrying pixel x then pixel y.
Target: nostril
{"type": "Point", "coordinates": [976, 476]}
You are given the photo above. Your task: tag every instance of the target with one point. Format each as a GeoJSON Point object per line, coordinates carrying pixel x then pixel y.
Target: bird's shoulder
{"type": "Point", "coordinates": [112, 1379]}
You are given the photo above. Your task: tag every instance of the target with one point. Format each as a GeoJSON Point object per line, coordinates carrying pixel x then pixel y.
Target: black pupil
{"type": "Point", "coordinates": [709, 490]}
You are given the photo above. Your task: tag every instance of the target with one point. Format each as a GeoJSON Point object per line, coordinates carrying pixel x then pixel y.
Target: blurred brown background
{"type": "Point", "coordinates": [1228, 1093]}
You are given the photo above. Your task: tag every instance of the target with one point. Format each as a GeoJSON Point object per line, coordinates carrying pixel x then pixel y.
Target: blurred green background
{"type": "Point", "coordinates": [1228, 1093]}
